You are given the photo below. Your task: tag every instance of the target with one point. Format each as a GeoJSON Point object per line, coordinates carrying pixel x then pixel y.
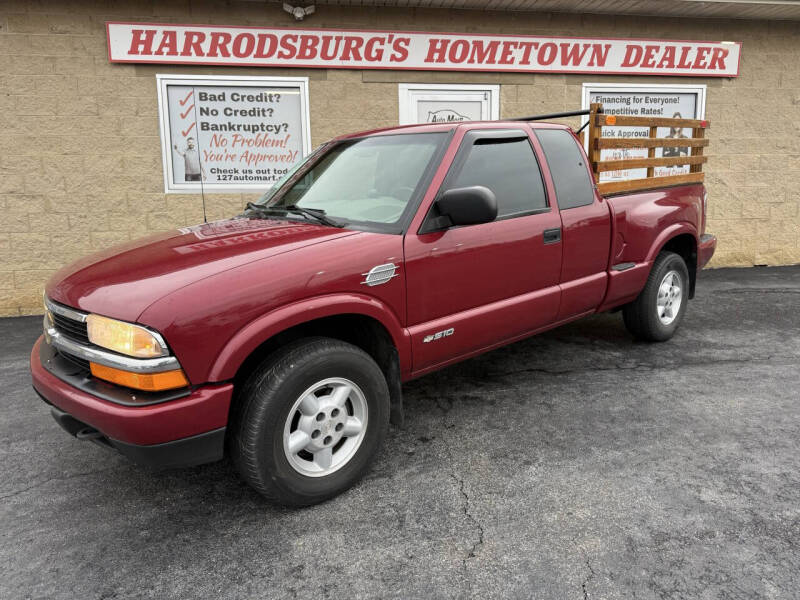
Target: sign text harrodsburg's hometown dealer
{"type": "Point", "coordinates": [356, 49]}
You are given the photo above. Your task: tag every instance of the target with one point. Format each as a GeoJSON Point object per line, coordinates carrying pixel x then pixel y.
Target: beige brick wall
{"type": "Point", "coordinates": [80, 156]}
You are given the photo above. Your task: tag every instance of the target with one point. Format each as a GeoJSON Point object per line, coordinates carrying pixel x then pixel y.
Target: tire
{"type": "Point", "coordinates": [346, 384]}
{"type": "Point", "coordinates": [653, 317]}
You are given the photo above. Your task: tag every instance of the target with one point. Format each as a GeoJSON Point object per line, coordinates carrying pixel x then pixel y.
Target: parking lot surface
{"type": "Point", "coordinates": [576, 464]}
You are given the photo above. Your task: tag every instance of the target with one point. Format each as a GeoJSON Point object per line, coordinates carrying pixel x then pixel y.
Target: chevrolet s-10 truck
{"type": "Point", "coordinates": [282, 336]}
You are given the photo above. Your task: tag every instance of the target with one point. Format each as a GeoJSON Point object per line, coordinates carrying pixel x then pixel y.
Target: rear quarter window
{"type": "Point", "coordinates": [567, 167]}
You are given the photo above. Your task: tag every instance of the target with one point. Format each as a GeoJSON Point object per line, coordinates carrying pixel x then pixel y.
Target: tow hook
{"type": "Point", "coordinates": [88, 433]}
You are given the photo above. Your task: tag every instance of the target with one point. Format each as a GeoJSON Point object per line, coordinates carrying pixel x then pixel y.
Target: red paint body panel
{"type": "Point", "coordinates": [205, 409]}
{"type": "Point", "coordinates": [643, 222]}
{"type": "Point", "coordinates": [218, 291]}
{"type": "Point", "coordinates": [498, 268]}
{"type": "Point", "coordinates": [124, 280]}
{"type": "Point", "coordinates": [624, 286]}
{"type": "Point", "coordinates": [489, 282]}
{"type": "Point", "coordinates": [200, 319]}
{"type": "Point", "coordinates": [705, 250]}
{"type": "Point", "coordinates": [586, 239]}
{"type": "Point", "coordinates": [482, 327]}
{"type": "Point", "coordinates": [247, 339]}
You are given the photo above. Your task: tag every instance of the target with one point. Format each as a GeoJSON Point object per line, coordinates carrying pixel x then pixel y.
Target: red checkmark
{"type": "Point", "coordinates": [183, 115]}
{"type": "Point", "coordinates": [185, 100]}
{"type": "Point", "coordinates": [185, 133]}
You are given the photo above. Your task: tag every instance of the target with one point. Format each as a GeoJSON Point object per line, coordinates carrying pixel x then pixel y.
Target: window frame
{"type": "Point", "coordinates": [470, 139]}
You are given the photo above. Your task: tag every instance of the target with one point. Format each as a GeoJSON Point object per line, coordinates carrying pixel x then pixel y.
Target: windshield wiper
{"type": "Point", "coordinates": [314, 213]}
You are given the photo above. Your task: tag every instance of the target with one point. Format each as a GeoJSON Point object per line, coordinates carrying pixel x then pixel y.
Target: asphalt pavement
{"type": "Point", "coordinates": [577, 464]}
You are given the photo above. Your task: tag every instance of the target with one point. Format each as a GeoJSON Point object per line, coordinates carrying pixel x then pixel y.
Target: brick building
{"type": "Point", "coordinates": [81, 153]}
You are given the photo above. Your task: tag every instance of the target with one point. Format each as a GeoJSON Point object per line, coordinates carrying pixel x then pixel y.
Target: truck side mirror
{"type": "Point", "coordinates": [465, 206]}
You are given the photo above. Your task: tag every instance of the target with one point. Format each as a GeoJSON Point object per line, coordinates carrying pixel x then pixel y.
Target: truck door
{"type": "Point", "coordinates": [473, 287]}
{"type": "Point", "coordinates": [585, 220]}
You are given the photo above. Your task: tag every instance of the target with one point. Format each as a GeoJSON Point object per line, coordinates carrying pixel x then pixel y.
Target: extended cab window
{"type": "Point", "coordinates": [369, 180]}
{"type": "Point", "coordinates": [508, 167]}
{"type": "Point", "coordinates": [567, 167]}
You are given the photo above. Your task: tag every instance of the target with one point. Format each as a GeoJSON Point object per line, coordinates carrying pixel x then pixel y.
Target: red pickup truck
{"type": "Point", "coordinates": [282, 336]}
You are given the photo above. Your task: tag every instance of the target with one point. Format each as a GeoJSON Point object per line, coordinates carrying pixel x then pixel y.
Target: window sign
{"type": "Point", "coordinates": [432, 103]}
{"type": "Point", "coordinates": [679, 101]}
{"type": "Point", "coordinates": [231, 134]}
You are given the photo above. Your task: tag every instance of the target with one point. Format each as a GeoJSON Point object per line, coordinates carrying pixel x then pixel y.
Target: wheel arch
{"type": "Point", "coordinates": [362, 321]}
{"type": "Point", "coordinates": [680, 238]}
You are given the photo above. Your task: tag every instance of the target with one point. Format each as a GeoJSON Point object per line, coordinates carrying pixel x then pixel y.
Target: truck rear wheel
{"type": "Point", "coordinates": [310, 419]}
{"type": "Point", "coordinates": [658, 311]}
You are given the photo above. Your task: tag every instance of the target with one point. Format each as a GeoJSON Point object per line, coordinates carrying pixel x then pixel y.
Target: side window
{"type": "Point", "coordinates": [567, 167]}
{"type": "Point", "coordinates": [508, 167]}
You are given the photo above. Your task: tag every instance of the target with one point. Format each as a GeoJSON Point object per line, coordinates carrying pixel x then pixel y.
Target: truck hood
{"type": "Point", "coordinates": [123, 281]}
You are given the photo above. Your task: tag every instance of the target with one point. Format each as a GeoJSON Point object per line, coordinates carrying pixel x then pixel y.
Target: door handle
{"type": "Point", "coordinates": [551, 236]}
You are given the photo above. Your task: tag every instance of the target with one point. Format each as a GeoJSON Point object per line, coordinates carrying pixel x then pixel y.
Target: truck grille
{"type": "Point", "coordinates": [70, 328]}
{"type": "Point", "coordinates": [67, 322]}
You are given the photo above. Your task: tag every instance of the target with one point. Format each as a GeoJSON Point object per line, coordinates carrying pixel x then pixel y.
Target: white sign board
{"type": "Point", "coordinates": [231, 134]}
{"type": "Point", "coordinates": [681, 101]}
{"type": "Point", "coordinates": [443, 103]}
{"type": "Point", "coordinates": [415, 50]}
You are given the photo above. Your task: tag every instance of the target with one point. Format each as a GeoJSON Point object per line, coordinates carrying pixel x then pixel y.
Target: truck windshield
{"type": "Point", "coordinates": [299, 165]}
{"type": "Point", "coordinates": [368, 180]}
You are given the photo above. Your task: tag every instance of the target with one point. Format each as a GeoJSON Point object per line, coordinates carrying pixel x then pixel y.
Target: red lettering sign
{"type": "Point", "coordinates": [352, 49]}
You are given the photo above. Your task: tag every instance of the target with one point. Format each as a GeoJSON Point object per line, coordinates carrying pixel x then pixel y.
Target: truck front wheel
{"type": "Point", "coordinates": [656, 314]}
{"type": "Point", "coordinates": [309, 420]}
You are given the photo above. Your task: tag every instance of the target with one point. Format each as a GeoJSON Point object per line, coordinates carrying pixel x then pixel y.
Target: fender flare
{"type": "Point", "coordinates": [255, 333]}
{"type": "Point", "coordinates": [667, 234]}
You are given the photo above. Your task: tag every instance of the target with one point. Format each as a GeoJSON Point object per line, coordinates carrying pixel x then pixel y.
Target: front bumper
{"type": "Point", "coordinates": [705, 249]}
{"type": "Point", "coordinates": [186, 452]}
{"type": "Point", "coordinates": [155, 434]}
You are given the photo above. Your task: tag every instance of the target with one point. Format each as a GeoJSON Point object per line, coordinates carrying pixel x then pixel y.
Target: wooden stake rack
{"type": "Point", "coordinates": [597, 143]}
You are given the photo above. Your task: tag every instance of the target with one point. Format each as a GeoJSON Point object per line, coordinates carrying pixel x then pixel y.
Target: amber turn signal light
{"type": "Point", "coordinates": [148, 382]}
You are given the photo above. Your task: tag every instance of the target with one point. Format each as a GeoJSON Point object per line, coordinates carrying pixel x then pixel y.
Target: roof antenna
{"type": "Point", "coordinates": [200, 158]}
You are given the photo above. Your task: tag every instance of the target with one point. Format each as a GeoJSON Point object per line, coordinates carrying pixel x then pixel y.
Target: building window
{"type": "Point", "coordinates": [442, 103]}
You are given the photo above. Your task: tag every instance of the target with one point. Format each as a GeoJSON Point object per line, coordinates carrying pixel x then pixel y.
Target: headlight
{"type": "Point", "coordinates": [125, 338]}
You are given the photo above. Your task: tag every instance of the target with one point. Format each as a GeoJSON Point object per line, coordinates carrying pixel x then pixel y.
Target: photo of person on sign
{"type": "Point", "coordinates": [676, 133]}
{"type": "Point", "coordinates": [193, 170]}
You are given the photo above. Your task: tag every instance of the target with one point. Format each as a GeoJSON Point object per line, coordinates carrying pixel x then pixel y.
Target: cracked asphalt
{"type": "Point", "coordinates": [577, 464]}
